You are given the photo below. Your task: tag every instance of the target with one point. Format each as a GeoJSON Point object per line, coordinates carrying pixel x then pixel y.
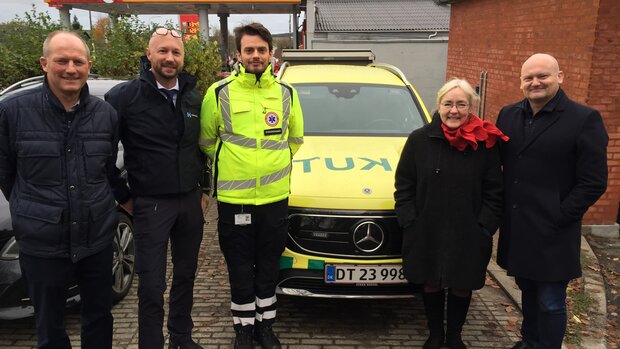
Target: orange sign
{"type": "Point", "coordinates": [189, 25]}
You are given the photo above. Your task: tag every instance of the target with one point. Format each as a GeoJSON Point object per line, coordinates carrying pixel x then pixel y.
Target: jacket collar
{"type": "Point", "coordinates": [55, 102]}
{"type": "Point", "coordinates": [254, 80]}
{"type": "Point", "coordinates": [557, 103]}
{"type": "Point", "coordinates": [185, 80]}
{"type": "Point", "coordinates": [434, 128]}
{"type": "Point", "coordinates": [549, 114]}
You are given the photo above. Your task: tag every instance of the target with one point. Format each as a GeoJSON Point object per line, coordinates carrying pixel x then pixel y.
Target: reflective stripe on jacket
{"type": "Point", "coordinates": [251, 128]}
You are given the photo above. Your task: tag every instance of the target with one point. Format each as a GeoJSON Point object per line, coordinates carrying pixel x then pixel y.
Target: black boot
{"type": "Point", "coordinates": [457, 313]}
{"type": "Point", "coordinates": [434, 307]}
{"type": "Point", "coordinates": [263, 333]}
{"type": "Point", "coordinates": [187, 343]}
{"type": "Point", "coordinates": [243, 337]}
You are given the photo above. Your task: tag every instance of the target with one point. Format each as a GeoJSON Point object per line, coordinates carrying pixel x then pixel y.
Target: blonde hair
{"type": "Point", "coordinates": [472, 96]}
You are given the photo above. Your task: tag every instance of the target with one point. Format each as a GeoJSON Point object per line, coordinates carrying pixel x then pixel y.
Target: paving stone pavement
{"type": "Point", "coordinates": [302, 323]}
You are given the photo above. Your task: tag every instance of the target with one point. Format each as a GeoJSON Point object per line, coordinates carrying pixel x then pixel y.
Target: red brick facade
{"type": "Point", "coordinates": [584, 36]}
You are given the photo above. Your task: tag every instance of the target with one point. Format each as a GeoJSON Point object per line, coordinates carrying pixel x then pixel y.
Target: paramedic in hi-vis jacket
{"type": "Point", "coordinates": [251, 125]}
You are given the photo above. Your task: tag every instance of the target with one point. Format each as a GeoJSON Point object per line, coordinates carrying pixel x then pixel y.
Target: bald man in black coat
{"type": "Point", "coordinates": [555, 168]}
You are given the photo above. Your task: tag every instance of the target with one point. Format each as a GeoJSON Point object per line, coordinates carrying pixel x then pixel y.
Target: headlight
{"type": "Point", "coordinates": [10, 250]}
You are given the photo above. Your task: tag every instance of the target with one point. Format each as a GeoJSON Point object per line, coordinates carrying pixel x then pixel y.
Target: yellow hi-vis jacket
{"type": "Point", "coordinates": [250, 129]}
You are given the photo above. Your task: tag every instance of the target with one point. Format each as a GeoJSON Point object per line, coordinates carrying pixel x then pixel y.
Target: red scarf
{"type": "Point", "coordinates": [471, 132]}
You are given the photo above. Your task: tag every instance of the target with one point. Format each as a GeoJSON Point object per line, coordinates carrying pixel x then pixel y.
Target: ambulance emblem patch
{"type": "Point", "coordinates": [271, 119]}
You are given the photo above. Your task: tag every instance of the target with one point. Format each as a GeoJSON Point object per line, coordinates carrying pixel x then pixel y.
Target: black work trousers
{"type": "Point", "coordinates": [252, 254]}
{"type": "Point", "coordinates": [157, 220]}
{"type": "Point", "coordinates": [48, 280]}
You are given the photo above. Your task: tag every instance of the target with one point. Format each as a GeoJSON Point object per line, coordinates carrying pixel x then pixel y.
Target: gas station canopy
{"type": "Point", "coordinates": [146, 7]}
{"type": "Point", "coordinates": [223, 8]}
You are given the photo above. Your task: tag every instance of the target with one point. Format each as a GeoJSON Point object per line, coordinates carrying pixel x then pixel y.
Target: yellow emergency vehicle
{"type": "Point", "coordinates": [344, 240]}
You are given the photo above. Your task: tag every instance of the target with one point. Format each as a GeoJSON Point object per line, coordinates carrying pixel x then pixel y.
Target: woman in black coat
{"type": "Point", "coordinates": [448, 201]}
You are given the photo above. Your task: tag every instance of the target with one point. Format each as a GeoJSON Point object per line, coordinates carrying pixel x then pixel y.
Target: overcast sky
{"type": "Point", "coordinates": [10, 8]}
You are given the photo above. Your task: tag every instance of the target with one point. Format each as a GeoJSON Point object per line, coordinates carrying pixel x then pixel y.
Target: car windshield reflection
{"type": "Point", "coordinates": [358, 109]}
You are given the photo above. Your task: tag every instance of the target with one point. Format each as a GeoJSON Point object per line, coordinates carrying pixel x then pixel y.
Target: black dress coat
{"type": "Point", "coordinates": [448, 203]}
{"type": "Point", "coordinates": [551, 178]}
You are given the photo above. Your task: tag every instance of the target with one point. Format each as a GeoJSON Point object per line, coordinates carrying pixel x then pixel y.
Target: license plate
{"type": "Point", "coordinates": [364, 274]}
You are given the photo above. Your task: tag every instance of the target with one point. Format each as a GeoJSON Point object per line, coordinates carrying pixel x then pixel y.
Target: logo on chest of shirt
{"type": "Point", "coordinates": [271, 119]}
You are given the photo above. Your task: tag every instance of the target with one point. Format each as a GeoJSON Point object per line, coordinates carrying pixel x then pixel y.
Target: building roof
{"type": "Point", "coordinates": [381, 16]}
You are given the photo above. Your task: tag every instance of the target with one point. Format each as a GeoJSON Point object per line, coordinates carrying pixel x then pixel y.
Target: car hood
{"type": "Point", "coordinates": [350, 173]}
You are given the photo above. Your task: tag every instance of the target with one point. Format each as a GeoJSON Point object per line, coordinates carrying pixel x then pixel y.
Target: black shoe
{"type": "Point", "coordinates": [455, 342]}
{"type": "Point", "coordinates": [433, 341]}
{"type": "Point", "coordinates": [184, 344]}
{"type": "Point", "coordinates": [243, 338]}
{"type": "Point", "coordinates": [521, 345]}
{"type": "Point", "coordinates": [265, 336]}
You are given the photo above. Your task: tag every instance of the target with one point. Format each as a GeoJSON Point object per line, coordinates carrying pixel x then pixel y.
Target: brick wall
{"type": "Point", "coordinates": [603, 94]}
{"type": "Point", "coordinates": [498, 35]}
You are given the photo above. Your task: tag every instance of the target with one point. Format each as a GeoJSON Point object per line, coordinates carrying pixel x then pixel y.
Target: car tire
{"type": "Point", "coordinates": [123, 261]}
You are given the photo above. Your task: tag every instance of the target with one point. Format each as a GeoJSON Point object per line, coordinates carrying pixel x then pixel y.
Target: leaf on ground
{"type": "Point", "coordinates": [513, 321]}
{"type": "Point", "coordinates": [511, 328]}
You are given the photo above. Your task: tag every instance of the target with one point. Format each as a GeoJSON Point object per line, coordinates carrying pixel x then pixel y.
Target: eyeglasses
{"type": "Point", "coordinates": [459, 106]}
{"type": "Point", "coordinates": [164, 31]}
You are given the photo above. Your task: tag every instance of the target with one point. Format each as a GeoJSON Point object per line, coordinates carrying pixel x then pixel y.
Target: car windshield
{"type": "Point", "coordinates": [358, 109]}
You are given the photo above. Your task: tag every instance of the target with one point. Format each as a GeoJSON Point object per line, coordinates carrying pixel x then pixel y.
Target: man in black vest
{"type": "Point", "coordinates": [555, 168]}
{"type": "Point", "coordinates": [58, 148]}
{"type": "Point", "coordinates": [159, 127]}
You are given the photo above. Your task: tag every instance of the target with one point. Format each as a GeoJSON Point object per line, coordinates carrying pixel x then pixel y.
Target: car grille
{"type": "Point", "coordinates": [345, 234]}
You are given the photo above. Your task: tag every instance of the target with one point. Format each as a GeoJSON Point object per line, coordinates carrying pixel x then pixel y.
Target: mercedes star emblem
{"type": "Point", "coordinates": [368, 236]}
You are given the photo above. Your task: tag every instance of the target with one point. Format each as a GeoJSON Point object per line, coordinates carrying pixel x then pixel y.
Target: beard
{"type": "Point", "coordinates": [167, 71]}
{"type": "Point", "coordinates": [255, 67]}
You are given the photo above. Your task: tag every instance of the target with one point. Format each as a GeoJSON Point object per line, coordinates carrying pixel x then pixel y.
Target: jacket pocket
{"type": "Point", "coordinates": [273, 112]}
{"type": "Point", "coordinates": [240, 107]}
{"type": "Point", "coordinates": [39, 162]}
{"type": "Point", "coordinates": [96, 155]}
{"type": "Point", "coordinates": [38, 226]}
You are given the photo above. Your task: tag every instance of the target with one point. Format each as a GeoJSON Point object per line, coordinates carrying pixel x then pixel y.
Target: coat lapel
{"type": "Point", "coordinates": [550, 114]}
{"type": "Point", "coordinates": [434, 128]}
{"type": "Point", "coordinates": [541, 126]}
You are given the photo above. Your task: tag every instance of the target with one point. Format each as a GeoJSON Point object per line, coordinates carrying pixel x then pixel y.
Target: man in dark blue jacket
{"type": "Point", "coordinates": [555, 168]}
{"type": "Point", "coordinates": [58, 150]}
{"type": "Point", "coordinates": [159, 127]}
